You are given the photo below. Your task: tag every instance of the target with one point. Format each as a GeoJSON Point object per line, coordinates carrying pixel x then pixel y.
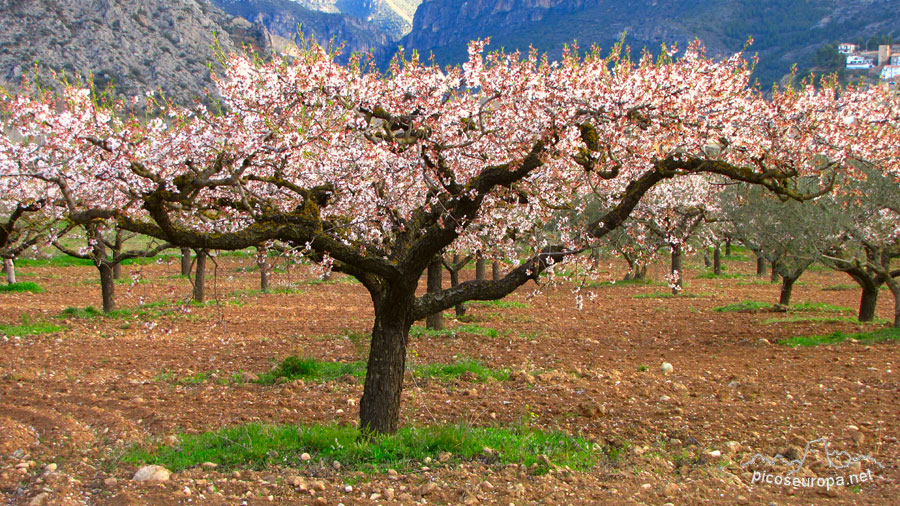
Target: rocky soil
{"type": "Point", "coordinates": [72, 403]}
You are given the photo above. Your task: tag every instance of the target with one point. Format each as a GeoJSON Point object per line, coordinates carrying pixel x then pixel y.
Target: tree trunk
{"type": "Point", "coordinates": [495, 270]}
{"type": "Point", "coordinates": [185, 261]}
{"type": "Point", "coordinates": [435, 270]}
{"type": "Point", "coordinates": [728, 247]}
{"type": "Point", "coordinates": [379, 409]}
{"type": "Point", "coordinates": [107, 286]}
{"type": "Point", "coordinates": [760, 266]}
{"type": "Point", "coordinates": [868, 302]}
{"type": "Point", "coordinates": [479, 268]}
{"type": "Point", "coordinates": [200, 276]}
{"type": "Point", "coordinates": [894, 286]}
{"type": "Point", "coordinates": [717, 261]}
{"type": "Point", "coordinates": [117, 270]}
{"type": "Point", "coordinates": [787, 286]}
{"type": "Point", "coordinates": [10, 267]}
{"type": "Point", "coordinates": [641, 273]}
{"type": "Point", "coordinates": [677, 274]}
{"type": "Point", "coordinates": [775, 277]}
{"type": "Point", "coordinates": [263, 262]}
{"type": "Point", "coordinates": [706, 261]}
{"type": "Point", "coordinates": [454, 280]}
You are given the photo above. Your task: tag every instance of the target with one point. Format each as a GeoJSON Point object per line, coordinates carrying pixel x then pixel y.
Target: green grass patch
{"type": "Point", "coordinates": [820, 306]}
{"type": "Point", "coordinates": [743, 307]}
{"type": "Point", "coordinates": [311, 369]}
{"type": "Point", "coordinates": [502, 304]}
{"type": "Point", "coordinates": [334, 280]}
{"type": "Point", "coordinates": [56, 261]}
{"type": "Point", "coordinates": [292, 368]}
{"type": "Point", "coordinates": [876, 336]}
{"type": "Point", "coordinates": [150, 260]}
{"type": "Point", "coordinates": [814, 319]}
{"type": "Point", "coordinates": [257, 446]}
{"type": "Point", "coordinates": [469, 328]}
{"type": "Point", "coordinates": [670, 295]}
{"type": "Point", "coordinates": [724, 275]}
{"type": "Point", "coordinates": [29, 328]}
{"type": "Point", "coordinates": [622, 282]}
{"type": "Point", "coordinates": [26, 286]}
{"type": "Point", "coordinates": [463, 367]}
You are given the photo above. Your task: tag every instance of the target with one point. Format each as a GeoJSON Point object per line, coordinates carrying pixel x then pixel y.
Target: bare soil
{"type": "Point", "coordinates": [79, 398]}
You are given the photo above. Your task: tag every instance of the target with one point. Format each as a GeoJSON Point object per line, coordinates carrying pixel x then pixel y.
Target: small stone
{"type": "Point", "coordinates": [209, 465]}
{"type": "Point", "coordinates": [405, 498]}
{"type": "Point", "coordinates": [763, 341]}
{"type": "Point", "coordinates": [170, 440]}
{"type": "Point", "coordinates": [486, 485]}
{"type": "Point", "coordinates": [444, 457]}
{"type": "Point", "coordinates": [319, 485]}
{"type": "Point", "coordinates": [152, 473]}
{"type": "Point", "coordinates": [336, 465]}
{"type": "Point", "coordinates": [714, 454]}
{"type": "Point", "coordinates": [646, 486]}
{"type": "Point", "coordinates": [428, 488]}
{"type": "Point", "coordinates": [187, 491]}
{"type": "Point", "coordinates": [667, 367]}
{"type": "Point", "coordinates": [305, 457]}
{"type": "Point", "coordinates": [49, 468]}
{"type": "Point", "coordinates": [733, 446]}
{"type": "Point", "coordinates": [670, 490]}
{"type": "Point", "coordinates": [374, 497]}
{"type": "Point", "coordinates": [665, 398]}
{"type": "Point", "coordinates": [39, 500]}
{"type": "Point", "coordinates": [110, 482]}
{"type": "Point", "coordinates": [321, 500]}
{"type": "Point", "coordinates": [393, 474]}
{"type": "Point", "coordinates": [297, 481]}
{"type": "Point", "coordinates": [389, 494]}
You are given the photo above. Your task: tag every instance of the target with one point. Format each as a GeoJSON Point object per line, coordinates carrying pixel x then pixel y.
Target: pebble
{"type": "Point", "coordinates": [393, 474]}
{"type": "Point", "coordinates": [428, 488]}
{"type": "Point", "coordinates": [715, 454]}
{"type": "Point", "coordinates": [667, 367]}
{"type": "Point", "coordinates": [152, 473]}
{"type": "Point", "coordinates": [348, 489]}
{"type": "Point", "coordinates": [665, 398]}
{"type": "Point", "coordinates": [209, 465]}
{"type": "Point", "coordinates": [49, 468]}
{"type": "Point", "coordinates": [733, 446]}
{"type": "Point", "coordinates": [110, 482]}
{"type": "Point", "coordinates": [39, 500]}
{"type": "Point", "coordinates": [305, 457]}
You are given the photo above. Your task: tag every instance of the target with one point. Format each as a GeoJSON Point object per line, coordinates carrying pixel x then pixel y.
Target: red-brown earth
{"type": "Point", "coordinates": [72, 402]}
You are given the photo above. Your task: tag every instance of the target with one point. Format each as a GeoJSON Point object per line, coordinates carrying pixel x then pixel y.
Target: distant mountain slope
{"type": "Point", "coordinates": [282, 17]}
{"type": "Point", "coordinates": [137, 45]}
{"type": "Point", "coordinates": [785, 31]}
{"type": "Point", "coordinates": [394, 17]}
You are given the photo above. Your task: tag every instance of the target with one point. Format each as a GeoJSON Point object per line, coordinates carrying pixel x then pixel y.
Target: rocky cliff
{"type": "Point", "coordinates": [283, 17]}
{"type": "Point", "coordinates": [137, 45]}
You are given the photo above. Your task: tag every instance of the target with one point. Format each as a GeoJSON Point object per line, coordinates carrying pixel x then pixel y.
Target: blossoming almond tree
{"type": "Point", "coordinates": [377, 174]}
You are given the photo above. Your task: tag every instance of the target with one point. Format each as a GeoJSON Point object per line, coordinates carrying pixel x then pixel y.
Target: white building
{"type": "Point", "coordinates": [855, 62]}
{"type": "Point", "coordinates": [846, 48]}
{"type": "Point", "coordinates": [890, 72]}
